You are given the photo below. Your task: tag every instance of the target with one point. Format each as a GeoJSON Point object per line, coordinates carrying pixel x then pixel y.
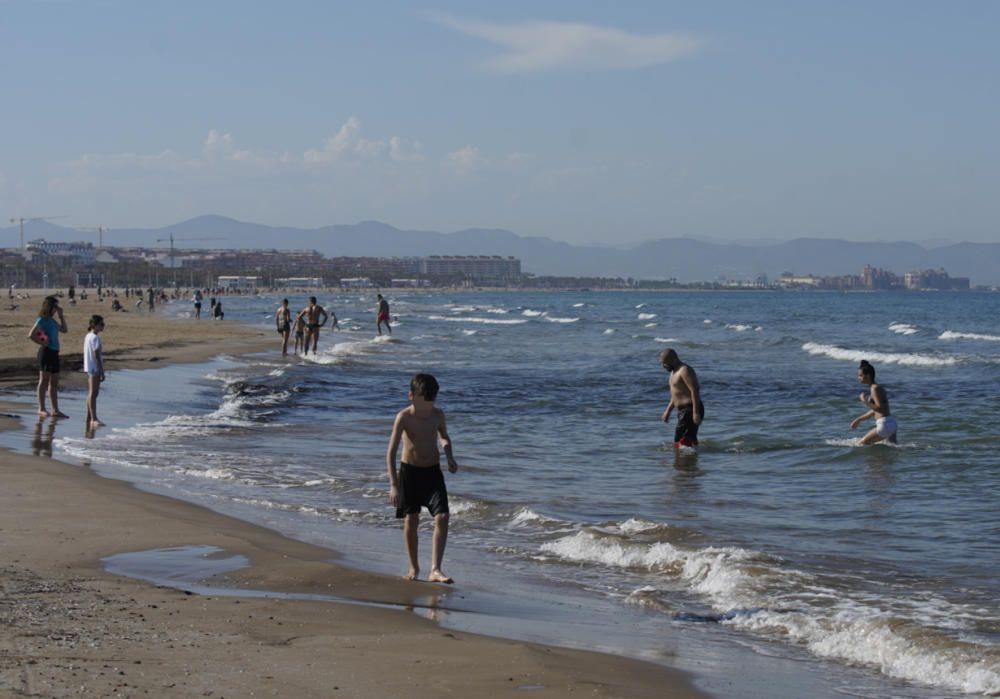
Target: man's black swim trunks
{"type": "Point", "coordinates": [48, 360]}
{"type": "Point", "coordinates": [686, 434]}
{"type": "Point", "coordinates": [421, 487]}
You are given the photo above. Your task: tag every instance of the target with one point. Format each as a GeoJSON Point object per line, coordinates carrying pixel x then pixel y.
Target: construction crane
{"type": "Point", "coordinates": [172, 239]}
{"type": "Point", "coordinates": [22, 219]}
{"type": "Point", "coordinates": [101, 230]}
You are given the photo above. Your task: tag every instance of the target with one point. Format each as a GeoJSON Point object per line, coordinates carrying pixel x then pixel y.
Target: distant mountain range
{"type": "Point", "coordinates": [685, 259]}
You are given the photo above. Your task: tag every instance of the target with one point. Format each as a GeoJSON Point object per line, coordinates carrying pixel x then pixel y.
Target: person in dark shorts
{"type": "Point", "coordinates": [420, 482]}
{"type": "Point", "coordinates": [45, 334]}
{"type": "Point", "coordinates": [685, 396]}
{"type": "Point", "coordinates": [283, 323]}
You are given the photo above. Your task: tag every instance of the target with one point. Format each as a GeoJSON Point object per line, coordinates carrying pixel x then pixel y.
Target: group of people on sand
{"type": "Point", "coordinates": [45, 334]}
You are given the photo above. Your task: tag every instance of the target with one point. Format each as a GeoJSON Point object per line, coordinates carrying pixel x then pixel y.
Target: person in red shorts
{"type": "Point", "coordinates": [685, 396]}
{"type": "Point", "coordinates": [382, 315]}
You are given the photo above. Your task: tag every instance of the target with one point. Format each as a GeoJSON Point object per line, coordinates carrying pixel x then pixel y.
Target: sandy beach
{"type": "Point", "coordinates": [70, 628]}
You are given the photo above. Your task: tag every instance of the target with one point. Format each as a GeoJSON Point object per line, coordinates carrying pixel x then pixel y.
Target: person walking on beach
{"type": "Point", "coordinates": [151, 299]}
{"type": "Point", "coordinates": [283, 319]}
{"type": "Point", "coordinates": [315, 317]}
{"type": "Point", "coordinates": [93, 365]}
{"type": "Point", "coordinates": [45, 334]}
{"type": "Point", "coordinates": [382, 315]}
{"type": "Point", "coordinates": [197, 303]}
{"type": "Point", "coordinates": [685, 396]}
{"type": "Point", "coordinates": [420, 482]}
{"type": "Point", "coordinates": [877, 401]}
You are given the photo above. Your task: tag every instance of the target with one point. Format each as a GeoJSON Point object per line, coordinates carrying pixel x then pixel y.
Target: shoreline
{"type": "Point", "coordinates": [72, 626]}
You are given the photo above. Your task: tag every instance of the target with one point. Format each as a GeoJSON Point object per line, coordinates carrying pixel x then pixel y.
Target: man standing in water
{"type": "Point", "coordinates": [685, 396]}
{"type": "Point", "coordinates": [315, 317]}
{"type": "Point", "coordinates": [878, 403]}
{"type": "Point", "coordinates": [382, 315]}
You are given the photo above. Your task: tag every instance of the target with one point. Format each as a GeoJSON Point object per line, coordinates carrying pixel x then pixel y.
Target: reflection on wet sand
{"type": "Point", "coordinates": [41, 442]}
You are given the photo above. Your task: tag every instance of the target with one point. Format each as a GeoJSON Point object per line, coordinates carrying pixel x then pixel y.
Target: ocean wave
{"type": "Point", "coordinates": [609, 331]}
{"type": "Point", "coordinates": [903, 359]}
{"type": "Point", "coordinates": [650, 325]}
{"type": "Point", "coordinates": [665, 339]}
{"type": "Point", "coordinates": [579, 305]}
{"type": "Point", "coordinates": [469, 332]}
{"type": "Point", "coordinates": [757, 593]}
{"type": "Point", "coordinates": [904, 328]}
{"type": "Point", "coordinates": [532, 314]}
{"type": "Point", "coordinates": [646, 316]}
{"type": "Point", "coordinates": [954, 335]}
{"type": "Point", "coordinates": [554, 319]}
{"type": "Point", "coordinates": [485, 321]}
{"type": "Point", "coordinates": [640, 305]}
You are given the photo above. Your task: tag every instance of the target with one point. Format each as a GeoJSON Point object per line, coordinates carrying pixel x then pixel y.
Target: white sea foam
{"type": "Point", "coordinates": [646, 316]}
{"type": "Point", "coordinates": [650, 325]}
{"type": "Point", "coordinates": [609, 331]}
{"type": "Point", "coordinates": [640, 305]}
{"type": "Point", "coordinates": [665, 339]}
{"type": "Point", "coordinates": [579, 305]}
{"type": "Point", "coordinates": [469, 332]}
{"type": "Point", "coordinates": [738, 327]}
{"type": "Point", "coordinates": [708, 321]}
{"type": "Point", "coordinates": [904, 359]}
{"type": "Point", "coordinates": [954, 335]}
{"type": "Point", "coordinates": [501, 311]}
{"type": "Point", "coordinates": [755, 593]}
{"type": "Point", "coordinates": [484, 321]}
{"type": "Point", "coordinates": [904, 328]}
{"type": "Point", "coordinates": [554, 319]}
{"type": "Point", "coordinates": [532, 314]}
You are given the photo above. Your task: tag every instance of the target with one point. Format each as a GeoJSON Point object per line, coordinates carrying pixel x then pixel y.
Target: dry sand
{"type": "Point", "coordinates": [69, 628]}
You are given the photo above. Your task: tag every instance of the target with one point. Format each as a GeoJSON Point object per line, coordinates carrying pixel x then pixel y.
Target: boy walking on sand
{"type": "Point", "coordinates": [420, 482]}
{"type": "Point", "coordinates": [93, 365]}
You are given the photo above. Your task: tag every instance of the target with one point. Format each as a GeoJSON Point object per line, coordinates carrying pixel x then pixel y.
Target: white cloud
{"type": "Point", "coordinates": [347, 142]}
{"type": "Point", "coordinates": [535, 46]}
{"type": "Point", "coordinates": [465, 158]}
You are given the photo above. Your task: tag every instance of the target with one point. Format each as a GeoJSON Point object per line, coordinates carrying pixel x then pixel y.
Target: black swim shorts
{"type": "Point", "coordinates": [686, 434]}
{"type": "Point", "coordinates": [48, 360]}
{"type": "Point", "coordinates": [421, 487]}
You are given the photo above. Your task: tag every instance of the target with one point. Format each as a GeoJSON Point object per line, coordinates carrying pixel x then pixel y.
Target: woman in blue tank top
{"type": "Point", "coordinates": [45, 334]}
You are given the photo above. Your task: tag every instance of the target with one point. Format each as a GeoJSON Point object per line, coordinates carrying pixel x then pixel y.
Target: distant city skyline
{"type": "Point", "coordinates": [582, 122]}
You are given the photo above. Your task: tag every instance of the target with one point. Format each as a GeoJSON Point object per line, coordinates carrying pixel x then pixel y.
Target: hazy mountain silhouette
{"type": "Point", "coordinates": [684, 259]}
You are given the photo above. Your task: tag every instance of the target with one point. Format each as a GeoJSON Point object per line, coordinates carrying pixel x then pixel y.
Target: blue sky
{"type": "Point", "coordinates": [589, 122]}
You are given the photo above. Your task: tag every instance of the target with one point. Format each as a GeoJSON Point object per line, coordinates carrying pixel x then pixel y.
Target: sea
{"type": "Point", "coordinates": [779, 549]}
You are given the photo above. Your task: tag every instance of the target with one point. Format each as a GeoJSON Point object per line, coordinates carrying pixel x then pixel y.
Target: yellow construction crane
{"type": "Point", "coordinates": [22, 219]}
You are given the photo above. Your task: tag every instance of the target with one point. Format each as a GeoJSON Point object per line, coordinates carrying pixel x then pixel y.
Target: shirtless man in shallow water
{"type": "Point", "coordinates": [685, 396]}
{"type": "Point", "coordinates": [877, 401]}
{"type": "Point", "coordinates": [312, 315]}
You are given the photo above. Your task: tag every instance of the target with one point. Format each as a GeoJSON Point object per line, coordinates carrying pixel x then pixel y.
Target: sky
{"type": "Point", "coordinates": [586, 122]}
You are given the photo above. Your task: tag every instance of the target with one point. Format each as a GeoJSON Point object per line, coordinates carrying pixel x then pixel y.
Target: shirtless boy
{"type": "Point", "coordinates": [420, 482]}
{"type": "Point", "coordinates": [878, 407]}
{"type": "Point", "coordinates": [685, 396]}
{"type": "Point", "coordinates": [315, 317]}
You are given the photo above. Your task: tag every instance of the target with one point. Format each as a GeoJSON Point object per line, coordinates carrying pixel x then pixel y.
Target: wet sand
{"type": "Point", "coordinates": [68, 627]}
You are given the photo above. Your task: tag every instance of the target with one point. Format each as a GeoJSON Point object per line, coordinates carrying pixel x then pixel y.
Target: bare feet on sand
{"type": "Point", "coordinates": [96, 423]}
{"type": "Point", "coordinates": [43, 413]}
{"type": "Point", "coordinates": [412, 575]}
{"type": "Point", "coordinates": [437, 576]}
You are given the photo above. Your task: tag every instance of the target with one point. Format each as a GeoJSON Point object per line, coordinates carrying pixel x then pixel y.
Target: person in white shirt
{"type": "Point", "coordinates": [93, 364]}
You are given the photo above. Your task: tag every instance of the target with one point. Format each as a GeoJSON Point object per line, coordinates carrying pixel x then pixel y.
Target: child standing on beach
{"type": "Point", "coordinates": [93, 365]}
{"type": "Point", "coordinates": [420, 482]}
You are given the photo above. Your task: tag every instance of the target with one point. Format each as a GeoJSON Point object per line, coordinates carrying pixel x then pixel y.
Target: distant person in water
{"type": "Point", "coordinates": [217, 312]}
{"type": "Point", "coordinates": [283, 321]}
{"type": "Point", "coordinates": [382, 315]}
{"type": "Point", "coordinates": [300, 334]}
{"type": "Point", "coordinates": [877, 401]}
{"type": "Point", "coordinates": [45, 334]}
{"type": "Point", "coordinates": [420, 482]}
{"type": "Point", "coordinates": [315, 317]}
{"type": "Point", "coordinates": [685, 397]}
{"type": "Point", "coordinates": [197, 303]}
{"type": "Point", "coordinates": [93, 365]}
